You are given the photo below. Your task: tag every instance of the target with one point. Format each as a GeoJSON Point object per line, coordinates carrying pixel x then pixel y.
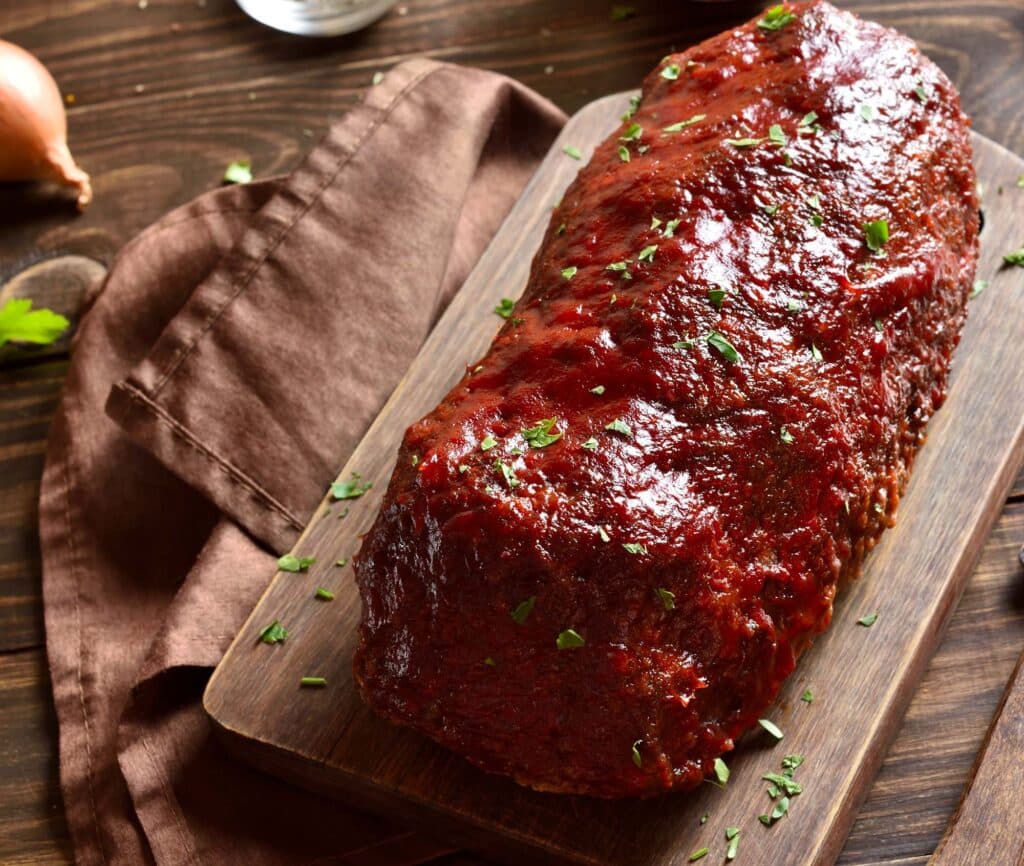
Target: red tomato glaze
{"type": "Point", "coordinates": [695, 545]}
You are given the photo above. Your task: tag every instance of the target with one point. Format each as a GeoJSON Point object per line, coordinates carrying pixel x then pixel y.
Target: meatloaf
{"type": "Point", "coordinates": [603, 552]}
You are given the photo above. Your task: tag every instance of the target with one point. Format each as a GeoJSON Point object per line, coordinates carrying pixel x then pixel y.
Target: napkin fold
{"type": "Point", "coordinates": [228, 365]}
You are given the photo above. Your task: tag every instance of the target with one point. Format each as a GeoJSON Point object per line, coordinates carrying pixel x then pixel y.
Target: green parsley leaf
{"type": "Point", "coordinates": [808, 120]}
{"type": "Point", "coordinates": [777, 136]}
{"type": "Point", "coordinates": [716, 296]}
{"type": "Point", "coordinates": [683, 344]}
{"type": "Point", "coordinates": [670, 72]}
{"type": "Point", "coordinates": [507, 473]}
{"type": "Point", "coordinates": [787, 784]}
{"type": "Point", "coordinates": [560, 230]}
{"type": "Point", "coordinates": [590, 444]}
{"type": "Point", "coordinates": [776, 18]}
{"type": "Point", "coordinates": [876, 234]}
{"type": "Point", "coordinates": [378, 77]}
{"type": "Point", "coordinates": [19, 323]}
{"type": "Point", "coordinates": [238, 172]}
{"type": "Point", "coordinates": [921, 93]}
{"type": "Point", "coordinates": [522, 610]}
{"type": "Point", "coordinates": [294, 564]}
{"type": "Point", "coordinates": [341, 563]}
{"type": "Point", "coordinates": [814, 202]}
{"type": "Point", "coordinates": [621, 13]}
{"type": "Point", "coordinates": [807, 696]}
{"type": "Point", "coordinates": [488, 442]}
{"type": "Point", "coordinates": [732, 835]}
{"type": "Point", "coordinates": [816, 220]}
{"type": "Point", "coordinates": [569, 639]}
{"type": "Point", "coordinates": [879, 325]}
{"type": "Point", "coordinates": [816, 353]}
{"type": "Point", "coordinates": [704, 819]}
{"type": "Point", "coordinates": [619, 426]}
{"type": "Point", "coordinates": [569, 272]}
{"type": "Point", "coordinates": [274, 633]}
{"type": "Point", "coordinates": [699, 854]}
{"type": "Point", "coordinates": [505, 307]}
{"type": "Point", "coordinates": [670, 228]}
{"type": "Point", "coordinates": [1020, 181]}
{"type": "Point", "coordinates": [634, 104]}
{"type": "Point", "coordinates": [574, 152]}
{"type": "Point", "coordinates": [682, 124]}
{"type": "Point", "coordinates": [351, 489]}
{"type": "Point", "coordinates": [634, 548]}
{"type": "Point", "coordinates": [744, 142]}
{"type": "Point", "coordinates": [540, 435]}
{"type": "Point", "coordinates": [597, 389]}
{"type": "Point", "coordinates": [647, 253]}
{"type": "Point", "coordinates": [794, 306]}
{"type": "Point", "coordinates": [868, 111]}
{"type": "Point", "coordinates": [668, 599]}
{"type": "Point", "coordinates": [868, 620]}
{"type": "Point", "coordinates": [655, 222]}
{"type": "Point", "coordinates": [603, 534]}
{"type": "Point", "coordinates": [978, 288]}
{"type": "Point", "coordinates": [771, 728]}
{"type": "Point", "coordinates": [790, 763]}
{"type": "Point", "coordinates": [721, 771]}
{"type": "Point", "coordinates": [315, 682]}
{"type": "Point", "coordinates": [786, 437]}
{"type": "Point", "coordinates": [637, 759]}
{"type": "Point", "coordinates": [1015, 258]}
{"type": "Point", "coordinates": [621, 267]}
{"type": "Point", "coordinates": [324, 594]}
{"type": "Point", "coordinates": [463, 469]}
{"type": "Point", "coordinates": [623, 153]}
{"type": "Point", "coordinates": [723, 347]}
{"type": "Point", "coordinates": [633, 133]}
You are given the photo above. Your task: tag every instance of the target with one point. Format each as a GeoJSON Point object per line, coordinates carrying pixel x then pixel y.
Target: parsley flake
{"type": "Point", "coordinates": [463, 469]}
{"type": "Point", "coordinates": [488, 442]}
{"type": "Point", "coordinates": [637, 758]}
{"type": "Point", "coordinates": [978, 287]}
{"type": "Point", "coordinates": [876, 234]}
{"type": "Point", "coordinates": [682, 124]}
{"type": "Point", "coordinates": [723, 347]}
{"type": "Point", "coordinates": [619, 426]}
{"type": "Point", "coordinates": [807, 697]}
{"type": "Point", "coordinates": [921, 93]}
{"type": "Point", "coordinates": [721, 771]}
{"type": "Point", "coordinates": [699, 854]}
{"type": "Point", "coordinates": [732, 835]}
{"type": "Point", "coordinates": [1015, 258]}
{"type": "Point", "coordinates": [238, 172]}
{"type": "Point", "coordinates": [868, 112]}
{"type": "Point", "coordinates": [341, 563]}
{"type": "Point", "coordinates": [574, 152]}
{"type": "Point", "coordinates": [816, 353]}
{"type": "Point", "coordinates": [647, 253]}
{"type": "Point", "coordinates": [590, 444]}
{"type": "Point", "coordinates": [670, 228]}
{"type": "Point", "coordinates": [490, 662]}
{"type": "Point", "coordinates": [682, 344]}
{"type": "Point", "coordinates": [808, 120]}
{"type": "Point", "coordinates": [776, 18]}
{"type": "Point", "coordinates": [704, 818]}
{"type": "Point", "coordinates": [633, 133]}
{"type": "Point", "coordinates": [603, 534]}
{"type": "Point", "coordinates": [597, 389]}
{"type": "Point", "coordinates": [794, 306]}
{"type": "Point", "coordinates": [313, 682]}
{"type": "Point", "coordinates": [324, 594]}
{"type": "Point", "coordinates": [634, 104]}
{"type": "Point", "coordinates": [540, 435]}
{"type": "Point", "coordinates": [507, 473]}
{"type": "Point", "coordinates": [868, 620]}
{"type": "Point", "coordinates": [668, 598]}
{"type": "Point", "coordinates": [634, 548]}
{"type": "Point", "coordinates": [777, 136]}
{"type": "Point", "coordinates": [670, 72]}
{"type": "Point", "coordinates": [623, 153]}
{"type": "Point", "coordinates": [274, 633]}
{"type": "Point", "coordinates": [294, 564]}
{"type": "Point", "coordinates": [786, 437]}
{"type": "Point", "coordinates": [816, 220]}
{"type": "Point", "coordinates": [771, 728]}
{"type": "Point", "coordinates": [744, 142]}
{"type": "Point", "coordinates": [505, 308]}
{"type": "Point", "coordinates": [569, 272]}
{"type": "Point", "coordinates": [716, 296]}
{"type": "Point", "coordinates": [19, 323]}
{"type": "Point", "coordinates": [569, 639]}
{"type": "Point", "coordinates": [522, 611]}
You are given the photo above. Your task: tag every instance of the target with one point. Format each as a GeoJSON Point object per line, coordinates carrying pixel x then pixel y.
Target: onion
{"type": "Point", "coordinates": [33, 126]}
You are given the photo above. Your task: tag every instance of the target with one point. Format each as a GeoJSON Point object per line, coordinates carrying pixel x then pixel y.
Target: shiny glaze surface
{"type": "Point", "coordinates": [749, 489]}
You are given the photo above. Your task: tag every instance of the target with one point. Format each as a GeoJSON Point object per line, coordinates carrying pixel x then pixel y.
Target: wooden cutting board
{"type": "Point", "coordinates": [861, 678]}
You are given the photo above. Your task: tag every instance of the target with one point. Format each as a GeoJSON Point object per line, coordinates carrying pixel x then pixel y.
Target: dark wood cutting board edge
{"type": "Point", "coordinates": [328, 741]}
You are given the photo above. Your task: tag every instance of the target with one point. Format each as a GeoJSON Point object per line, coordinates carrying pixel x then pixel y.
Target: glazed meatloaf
{"type": "Point", "coordinates": [600, 556]}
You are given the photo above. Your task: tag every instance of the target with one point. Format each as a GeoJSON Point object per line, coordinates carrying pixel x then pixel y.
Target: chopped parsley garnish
{"type": "Point", "coordinates": [341, 563]}
{"type": "Point", "coordinates": [560, 230]}
{"type": "Point", "coordinates": [723, 347]}
{"type": "Point", "coordinates": [505, 308]}
{"type": "Point", "coordinates": [777, 136]}
{"type": "Point", "coordinates": [808, 120]}
{"type": "Point", "coordinates": [921, 93]}
{"type": "Point", "coordinates": [603, 534]}
{"type": "Point", "coordinates": [540, 436]}
{"type": "Point", "coordinates": [574, 152]}
{"type": "Point", "coordinates": [316, 682]}
{"type": "Point", "coordinates": [670, 72]}
{"type": "Point", "coordinates": [324, 594]}
{"type": "Point", "coordinates": [744, 142]}
{"type": "Point", "coordinates": [655, 222]}
{"type": "Point", "coordinates": [816, 353]}
{"type": "Point", "coordinates": [295, 564]}
{"type": "Point", "coordinates": [868, 111]}
{"type": "Point", "coordinates": [816, 220]}
{"type": "Point", "coordinates": [597, 389]}
{"type": "Point", "coordinates": [879, 325]}
{"type": "Point", "coordinates": [634, 104]}
{"type": "Point", "coordinates": [633, 133]}
{"type": "Point", "coordinates": [716, 296]}
{"type": "Point", "coordinates": [1015, 258]}
{"type": "Point", "coordinates": [732, 836]}
{"type": "Point", "coordinates": [786, 437]}
{"type": "Point", "coordinates": [488, 442]}
{"type": "Point", "coordinates": [619, 426]}
{"type": "Point", "coordinates": [621, 13]}
{"type": "Point", "coordinates": [807, 696]}
{"type": "Point", "coordinates": [19, 323]}
{"type": "Point", "coordinates": [784, 783]}
{"type": "Point", "coordinates": [463, 469]}
{"type": "Point", "coordinates": [569, 272]}
{"type": "Point", "coordinates": [704, 818]}
{"type": "Point", "coordinates": [721, 771]}
{"type": "Point", "coordinates": [490, 662]}
{"type": "Point", "coordinates": [868, 620]}
{"type": "Point", "coordinates": [682, 124]}
{"type": "Point", "coordinates": [771, 728]}
{"type": "Point", "coordinates": [634, 548]}
{"type": "Point", "coordinates": [590, 444]}
{"type": "Point", "coordinates": [637, 758]}
{"type": "Point", "coordinates": [776, 18]}
{"type": "Point", "coordinates": [699, 854]}
{"type": "Point", "coordinates": [668, 599]}
{"type": "Point", "coordinates": [620, 267]}
{"type": "Point", "coordinates": [238, 172]}
{"type": "Point", "coordinates": [814, 202]}
{"type": "Point", "coordinates": [876, 234]}
{"type": "Point", "coordinates": [794, 306]}
{"type": "Point", "coordinates": [1020, 181]}
{"type": "Point", "coordinates": [978, 287]}
{"type": "Point", "coordinates": [670, 228]}
{"type": "Point", "coordinates": [647, 253]}
{"type": "Point", "coordinates": [274, 633]}
{"type": "Point", "coordinates": [623, 153]}
{"type": "Point", "coordinates": [569, 639]}
{"type": "Point", "coordinates": [521, 612]}
{"type": "Point", "coordinates": [507, 473]}
{"type": "Point", "coordinates": [351, 489]}
{"type": "Point", "coordinates": [770, 209]}
{"type": "Point", "coordinates": [682, 344]}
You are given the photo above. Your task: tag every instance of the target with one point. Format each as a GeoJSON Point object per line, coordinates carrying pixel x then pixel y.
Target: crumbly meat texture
{"type": "Point", "coordinates": [698, 510]}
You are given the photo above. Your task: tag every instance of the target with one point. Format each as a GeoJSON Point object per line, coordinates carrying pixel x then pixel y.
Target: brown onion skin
{"type": "Point", "coordinates": [33, 125]}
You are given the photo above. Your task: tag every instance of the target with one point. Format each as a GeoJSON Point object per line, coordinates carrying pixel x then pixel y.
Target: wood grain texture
{"type": "Point", "coordinates": [330, 741]}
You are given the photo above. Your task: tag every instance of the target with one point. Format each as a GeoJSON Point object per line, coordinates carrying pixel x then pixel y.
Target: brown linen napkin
{"type": "Point", "coordinates": [246, 342]}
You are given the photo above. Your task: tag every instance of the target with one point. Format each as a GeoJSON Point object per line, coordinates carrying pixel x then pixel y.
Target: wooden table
{"type": "Point", "coordinates": [168, 92]}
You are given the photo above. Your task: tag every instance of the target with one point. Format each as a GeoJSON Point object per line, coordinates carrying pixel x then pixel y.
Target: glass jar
{"type": "Point", "coordinates": [316, 17]}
